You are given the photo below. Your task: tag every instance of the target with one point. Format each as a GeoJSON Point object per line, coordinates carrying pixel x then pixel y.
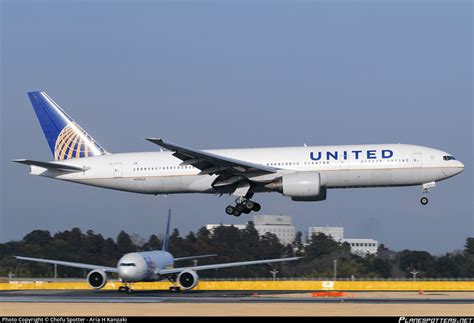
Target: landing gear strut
{"type": "Point", "coordinates": [242, 205]}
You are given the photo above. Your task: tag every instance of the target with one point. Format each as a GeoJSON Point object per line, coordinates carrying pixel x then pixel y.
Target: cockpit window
{"type": "Point", "coordinates": [449, 158]}
{"type": "Point", "coordinates": [127, 264]}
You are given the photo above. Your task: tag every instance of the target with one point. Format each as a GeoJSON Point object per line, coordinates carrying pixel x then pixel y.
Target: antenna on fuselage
{"type": "Point", "coordinates": [167, 234]}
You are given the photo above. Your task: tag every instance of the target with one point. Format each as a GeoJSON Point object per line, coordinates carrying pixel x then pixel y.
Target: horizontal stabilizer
{"type": "Point", "coordinates": [49, 165]}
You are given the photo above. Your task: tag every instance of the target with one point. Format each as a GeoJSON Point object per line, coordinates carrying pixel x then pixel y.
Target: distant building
{"type": "Point", "coordinates": [279, 225]}
{"type": "Point", "coordinates": [337, 233]}
{"type": "Point", "coordinates": [282, 227]}
{"type": "Point", "coordinates": [360, 247]}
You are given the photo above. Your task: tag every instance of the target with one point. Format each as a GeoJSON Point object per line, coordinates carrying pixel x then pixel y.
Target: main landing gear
{"type": "Point", "coordinates": [173, 288]}
{"type": "Point", "coordinates": [425, 191]}
{"type": "Point", "coordinates": [242, 205]}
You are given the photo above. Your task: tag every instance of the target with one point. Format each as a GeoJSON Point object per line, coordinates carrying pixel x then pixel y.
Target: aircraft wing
{"type": "Point", "coordinates": [226, 265]}
{"type": "Point", "coordinates": [210, 163]}
{"type": "Point", "coordinates": [49, 165]}
{"type": "Point", "coordinates": [195, 257]}
{"type": "Point", "coordinates": [70, 264]}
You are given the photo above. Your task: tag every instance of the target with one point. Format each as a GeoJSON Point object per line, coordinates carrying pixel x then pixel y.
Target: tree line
{"type": "Point", "coordinates": [231, 244]}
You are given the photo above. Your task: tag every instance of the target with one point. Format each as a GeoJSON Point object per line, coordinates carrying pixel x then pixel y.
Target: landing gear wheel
{"type": "Point", "coordinates": [123, 289]}
{"type": "Point", "coordinates": [257, 207]}
{"type": "Point", "coordinates": [249, 205]}
{"type": "Point", "coordinates": [230, 210]}
{"type": "Point", "coordinates": [242, 205]}
{"type": "Point", "coordinates": [174, 289]}
{"type": "Point", "coordinates": [424, 200]}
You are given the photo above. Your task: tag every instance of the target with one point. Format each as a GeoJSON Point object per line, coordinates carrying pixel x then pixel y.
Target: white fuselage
{"type": "Point", "coordinates": [339, 167]}
{"type": "Point", "coordinates": [142, 266]}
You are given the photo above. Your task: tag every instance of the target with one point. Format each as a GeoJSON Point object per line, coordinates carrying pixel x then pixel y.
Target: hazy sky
{"type": "Point", "coordinates": [241, 74]}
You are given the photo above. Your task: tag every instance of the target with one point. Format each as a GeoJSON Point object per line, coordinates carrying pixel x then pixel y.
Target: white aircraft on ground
{"type": "Point", "coordinates": [301, 173]}
{"type": "Point", "coordinates": [153, 265]}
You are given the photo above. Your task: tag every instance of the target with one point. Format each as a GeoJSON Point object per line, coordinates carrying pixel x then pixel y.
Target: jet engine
{"type": "Point", "coordinates": [300, 186]}
{"type": "Point", "coordinates": [188, 279]}
{"type": "Point", "coordinates": [97, 279]}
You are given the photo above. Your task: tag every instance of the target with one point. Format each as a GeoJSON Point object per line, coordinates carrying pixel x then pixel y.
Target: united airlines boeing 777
{"type": "Point", "coordinates": [301, 173]}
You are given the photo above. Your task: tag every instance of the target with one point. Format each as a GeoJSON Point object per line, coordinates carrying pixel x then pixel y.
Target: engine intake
{"type": "Point", "coordinates": [97, 279]}
{"type": "Point", "coordinates": [188, 279]}
{"type": "Point", "coordinates": [300, 186]}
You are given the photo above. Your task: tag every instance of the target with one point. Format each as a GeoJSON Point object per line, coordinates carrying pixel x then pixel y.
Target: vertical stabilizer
{"type": "Point", "coordinates": [167, 234]}
{"type": "Point", "coordinates": [66, 138]}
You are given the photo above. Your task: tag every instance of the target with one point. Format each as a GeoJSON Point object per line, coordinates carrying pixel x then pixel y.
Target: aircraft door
{"type": "Point", "coordinates": [117, 170]}
{"type": "Point", "coordinates": [417, 160]}
{"type": "Point", "coordinates": [345, 175]}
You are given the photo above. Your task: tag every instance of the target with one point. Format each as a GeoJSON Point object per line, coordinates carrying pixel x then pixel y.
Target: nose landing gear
{"type": "Point", "coordinates": [127, 288]}
{"type": "Point", "coordinates": [242, 205]}
{"type": "Point", "coordinates": [425, 191]}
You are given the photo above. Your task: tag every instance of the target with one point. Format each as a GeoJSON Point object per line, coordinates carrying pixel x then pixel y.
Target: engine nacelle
{"type": "Point", "coordinates": [188, 279]}
{"type": "Point", "coordinates": [97, 279]}
{"type": "Point", "coordinates": [300, 186]}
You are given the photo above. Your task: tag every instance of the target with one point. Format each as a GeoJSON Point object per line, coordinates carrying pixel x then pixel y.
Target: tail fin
{"type": "Point", "coordinates": [65, 137]}
{"type": "Point", "coordinates": [166, 242]}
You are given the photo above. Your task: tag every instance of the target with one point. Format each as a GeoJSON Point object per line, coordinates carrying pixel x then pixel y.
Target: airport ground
{"type": "Point", "coordinates": [235, 309]}
{"type": "Point", "coordinates": [234, 303]}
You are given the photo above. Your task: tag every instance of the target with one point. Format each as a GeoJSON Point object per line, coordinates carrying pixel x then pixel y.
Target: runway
{"type": "Point", "coordinates": [85, 296]}
{"type": "Point", "coordinates": [232, 303]}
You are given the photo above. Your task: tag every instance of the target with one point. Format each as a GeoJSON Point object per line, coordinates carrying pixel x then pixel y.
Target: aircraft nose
{"type": "Point", "coordinates": [127, 273]}
{"type": "Point", "coordinates": [460, 166]}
